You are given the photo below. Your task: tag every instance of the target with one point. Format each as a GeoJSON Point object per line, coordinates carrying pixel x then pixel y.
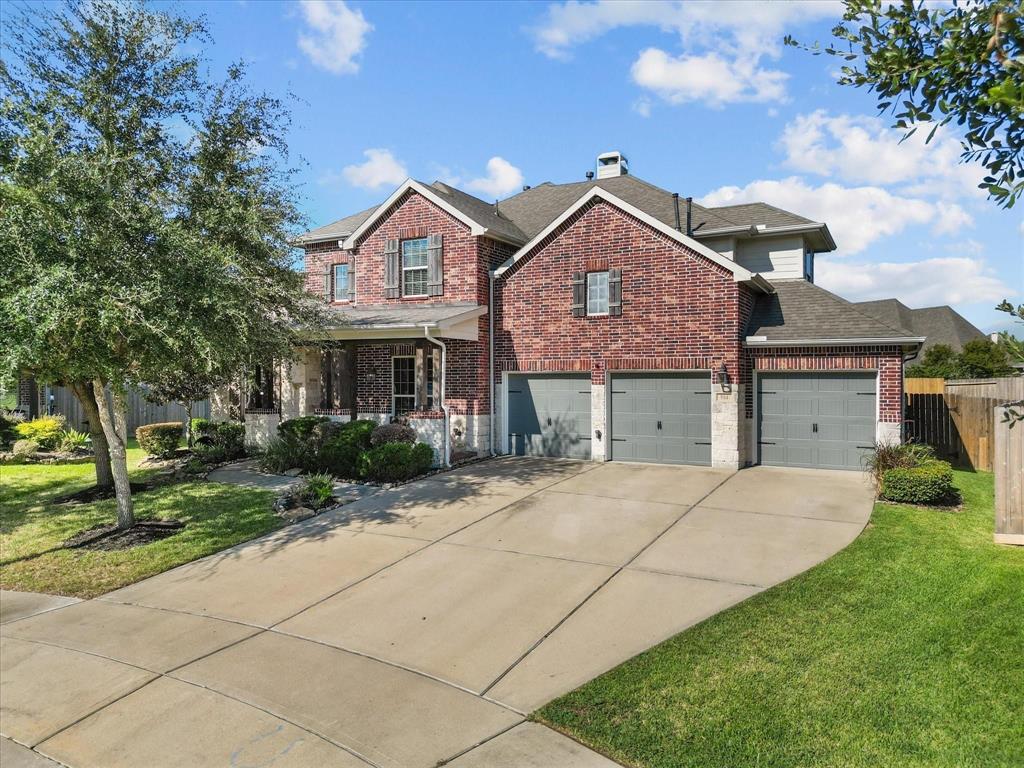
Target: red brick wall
{"type": "Point", "coordinates": [679, 309]}
{"type": "Point", "coordinates": [887, 360]}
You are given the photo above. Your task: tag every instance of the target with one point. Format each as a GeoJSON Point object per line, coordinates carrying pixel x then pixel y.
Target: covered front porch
{"type": "Point", "coordinates": [383, 363]}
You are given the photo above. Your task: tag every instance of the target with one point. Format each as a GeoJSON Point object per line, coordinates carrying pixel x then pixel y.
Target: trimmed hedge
{"type": "Point", "coordinates": [392, 433]}
{"type": "Point", "coordinates": [929, 483]}
{"type": "Point", "coordinates": [161, 439]}
{"type": "Point", "coordinates": [219, 440]}
{"type": "Point", "coordinates": [394, 462]}
{"type": "Point", "coordinates": [301, 427]}
{"type": "Point", "coordinates": [45, 430]}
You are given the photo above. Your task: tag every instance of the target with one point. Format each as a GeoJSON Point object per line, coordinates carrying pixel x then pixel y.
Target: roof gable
{"type": "Point", "coordinates": [595, 193]}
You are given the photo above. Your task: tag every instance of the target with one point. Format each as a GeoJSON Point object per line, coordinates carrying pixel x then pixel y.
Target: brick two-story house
{"type": "Point", "coordinates": [605, 319]}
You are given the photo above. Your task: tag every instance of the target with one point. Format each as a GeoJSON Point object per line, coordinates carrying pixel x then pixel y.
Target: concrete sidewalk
{"type": "Point", "coordinates": [418, 625]}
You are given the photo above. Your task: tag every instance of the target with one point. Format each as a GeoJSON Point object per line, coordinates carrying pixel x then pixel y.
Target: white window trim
{"type": "Point", "coordinates": [334, 282]}
{"type": "Point", "coordinates": [394, 396]}
{"type": "Point", "coordinates": [586, 298]}
{"type": "Point", "coordinates": [425, 268]}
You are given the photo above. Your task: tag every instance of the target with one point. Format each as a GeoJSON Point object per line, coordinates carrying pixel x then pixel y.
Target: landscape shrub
{"type": "Point", "coordinates": [210, 453]}
{"type": "Point", "coordinates": [392, 433]}
{"type": "Point", "coordinates": [25, 447]}
{"type": "Point", "coordinates": [897, 456]}
{"type": "Point", "coordinates": [323, 433]}
{"type": "Point", "coordinates": [316, 490]}
{"type": "Point", "coordinates": [282, 453]}
{"type": "Point", "coordinates": [359, 432]}
{"type": "Point", "coordinates": [928, 483]}
{"type": "Point", "coordinates": [229, 436]}
{"type": "Point", "coordinates": [45, 430]}
{"type": "Point", "coordinates": [301, 427]}
{"type": "Point", "coordinates": [72, 440]}
{"type": "Point", "coordinates": [161, 439]}
{"type": "Point", "coordinates": [340, 456]}
{"type": "Point", "coordinates": [395, 462]}
{"type": "Point", "coordinates": [8, 421]}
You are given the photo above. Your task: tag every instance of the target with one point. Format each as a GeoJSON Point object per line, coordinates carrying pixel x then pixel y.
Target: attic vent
{"type": "Point", "coordinates": [611, 164]}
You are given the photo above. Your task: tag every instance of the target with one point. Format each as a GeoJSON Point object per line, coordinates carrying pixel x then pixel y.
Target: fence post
{"type": "Point", "coordinates": [1009, 480]}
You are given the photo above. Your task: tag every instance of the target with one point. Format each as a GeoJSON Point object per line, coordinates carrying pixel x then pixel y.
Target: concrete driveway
{"type": "Point", "coordinates": [413, 627]}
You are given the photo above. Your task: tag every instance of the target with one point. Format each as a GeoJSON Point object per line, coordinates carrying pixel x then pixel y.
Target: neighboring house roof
{"type": "Point", "coordinates": [599, 192]}
{"type": "Point", "coordinates": [939, 325]}
{"type": "Point", "coordinates": [800, 311]}
{"type": "Point", "coordinates": [522, 216]}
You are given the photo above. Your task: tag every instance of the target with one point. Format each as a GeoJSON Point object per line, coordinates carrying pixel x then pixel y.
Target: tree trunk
{"type": "Point", "coordinates": [83, 391]}
{"type": "Point", "coordinates": [115, 427]}
{"type": "Point", "coordinates": [189, 437]}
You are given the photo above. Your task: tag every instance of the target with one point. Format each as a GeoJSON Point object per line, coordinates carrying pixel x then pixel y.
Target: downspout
{"type": "Point", "coordinates": [444, 403]}
{"type": "Point", "coordinates": [490, 367]}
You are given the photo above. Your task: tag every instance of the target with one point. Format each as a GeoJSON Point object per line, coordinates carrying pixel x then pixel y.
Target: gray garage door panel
{"type": "Point", "coordinates": [661, 418]}
{"type": "Point", "coordinates": [824, 420]}
{"type": "Point", "coordinates": [549, 415]}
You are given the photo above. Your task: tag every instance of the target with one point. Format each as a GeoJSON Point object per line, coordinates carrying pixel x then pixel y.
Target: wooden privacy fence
{"type": "Point", "coordinates": [1009, 471]}
{"type": "Point", "coordinates": [140, 410]}
{"type": "Point", "coordinates": [956, 417]}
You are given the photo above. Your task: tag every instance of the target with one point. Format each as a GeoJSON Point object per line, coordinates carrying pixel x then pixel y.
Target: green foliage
{"type": "Point", "coordinates": [161, 439]}
{"type": "Point", "coordinates": [282, 453]}
{"type": "Point", "coordinates": [896, 455]}
{"type": "Point", "coordinates": [8, 422]}
{"type": "Point", "coordinates": [301, 427]}
{"type": "Point", "coordinates": [360, 431]}
{"type": "Point", "coordinates": [25, 447]}
{"type": "Point", "coordinates": [941, 63]}
{"type": "Point", "coordinates": [927, 483]}
{"type": "Point", "coordinates": [45, 430]}
{"type": "Point", "coordinates": [316, 490]}
{"type": "Point", "coordinates": [395, 462]}
{"type": "Point", "coordinates": [938, 361]}
{"type": "Point", "coordinates": [340, 456]}
{"type": "Point", "coordinates": [218, 441]}
{"type": "Point", "coordinates": [73, 440]}
{"type": "Point", "coordinates": [392, 433]}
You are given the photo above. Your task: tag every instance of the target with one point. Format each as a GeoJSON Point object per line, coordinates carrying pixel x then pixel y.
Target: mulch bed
{"type": "Point", "coordinates": [95, 493]}
{"type": "Point", "coordinates": [107, 538]}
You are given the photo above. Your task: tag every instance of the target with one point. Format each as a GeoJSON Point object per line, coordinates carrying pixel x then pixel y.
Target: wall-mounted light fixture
{"type": "Point", "coordinates": [723, 377]}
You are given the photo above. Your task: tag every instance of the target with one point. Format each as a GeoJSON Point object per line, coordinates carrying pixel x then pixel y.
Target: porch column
{"type": "Point", "coordinates": [421, 375]}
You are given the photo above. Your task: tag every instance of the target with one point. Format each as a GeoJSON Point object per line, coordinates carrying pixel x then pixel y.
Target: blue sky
{"type": "Point", "coordinates": [702, 98]}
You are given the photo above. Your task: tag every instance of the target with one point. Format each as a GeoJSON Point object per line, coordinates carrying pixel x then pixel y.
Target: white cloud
{"type": "Point", "coordinates": [380, 168]}
{"type": "Point", "coordinates": [502, 179]}
{"type": "Point", "coordinates": [708, 78]}
{"type": "Point", "coordinates": [642, 107]}
{"type": "Point", "coordinates": [856, 216]}
{"type": "Point", "coordinates": [865, 150]}
{"type": "Point", "coordinates": [951, 219]}
{"type": "Point", "coordinates": [336, 35]}
{"type": "Point", "coordinates": [950, 280]}
{"type": "Point", "coordinates": [722, 44]}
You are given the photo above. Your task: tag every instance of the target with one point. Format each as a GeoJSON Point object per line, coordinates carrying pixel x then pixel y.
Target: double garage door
{"type": "Point", "coordinates": [663, 418]}
{"type": "Point", "coordinates": [824, 420]}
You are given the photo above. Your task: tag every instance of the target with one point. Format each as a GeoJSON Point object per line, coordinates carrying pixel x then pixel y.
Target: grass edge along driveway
{"type": "Point", "coordinates": [217, 516]}
{"type": "Point", "coordinates": [903, 649]}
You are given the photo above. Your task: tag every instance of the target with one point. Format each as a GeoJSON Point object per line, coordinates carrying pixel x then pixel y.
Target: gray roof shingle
{"type": "Point", "coordinates": [384, 316]}
{"type": "Point", "coordinates": [799, 310]}
{"type": "Point", "coordinates": [939, 325]}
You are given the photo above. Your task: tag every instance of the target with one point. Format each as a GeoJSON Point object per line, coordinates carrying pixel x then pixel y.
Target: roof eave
{"type": "Point", "coordinates": [758, 341]}
{"type": "Point", "coordinates": [790, 229]}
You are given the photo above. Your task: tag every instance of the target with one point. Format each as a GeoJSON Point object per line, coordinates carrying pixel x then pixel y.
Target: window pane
{"type": "Point", "coordinates": [414, 282]}
{"type": "Point", "coordinates": [403, 384]}
{"type": "Point", "coordinates": [597, 293]}
{"type": "Point", "coordinates": [414, 252]}
{"type": "Point", "coordinates": [340, 282]}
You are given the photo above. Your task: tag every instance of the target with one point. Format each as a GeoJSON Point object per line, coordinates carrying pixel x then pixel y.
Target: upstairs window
{"type": "Point", "coordinates": [341, 282]}
{"type": "Point", "coordinates": [415, 258]}
{"type": "Point", "coordinates": [597, 293]}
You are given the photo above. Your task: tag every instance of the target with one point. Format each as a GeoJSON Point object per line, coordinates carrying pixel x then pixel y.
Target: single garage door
{"type": "Point", "coordinates": [822, 420]}
{"type": "Point", "coordinates": [663, 418]}
{"type": "Point", "coordinates": [549, 415]}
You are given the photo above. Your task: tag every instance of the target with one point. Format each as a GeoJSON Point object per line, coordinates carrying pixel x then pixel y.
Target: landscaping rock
{"type": "Point", "coordinates": [293, 472]}
{"type": "Point", "coordinates": [296, 515]}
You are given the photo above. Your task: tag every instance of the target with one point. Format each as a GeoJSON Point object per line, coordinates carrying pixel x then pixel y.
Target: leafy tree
{"type": "Point", "coordinates": [145, 212]}
{"type": "Point", "coordinates": [1013, 412]}
{"type": "Point", "coordinates": [938, 361]}
{"type": "Point", "coordinates": [937, 63]}
{"type": "Point", "coordinates": [982, 358]}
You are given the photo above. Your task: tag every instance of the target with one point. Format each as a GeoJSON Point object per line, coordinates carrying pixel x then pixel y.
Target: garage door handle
{"type": "Point", "coordinates": [618, 439]}
{"type": "Point", "coordinates": [764, 442]}
{"type": "Point", "coordinates": [768, 392]}
{"type": "Point", "coordinates": [703, 392]}
{"type": "Point", "coordinates": [814, 428]}
{"type": "Point", "coordinates": [865, 393]}
{"type": "Point", "coordinates": [549, 421]}
{"type": "Point", "coordinates": [865, 446]}
{"type": "Point", "coordinates": [659, 425]}
{"type": "Point", "coordinates": [702, 442]}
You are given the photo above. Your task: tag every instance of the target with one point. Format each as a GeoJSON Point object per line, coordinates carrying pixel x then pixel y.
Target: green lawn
{"type": "Point", "coordinates": [216, 516]}
{"type": "Point", "coordinates": [903, 650]}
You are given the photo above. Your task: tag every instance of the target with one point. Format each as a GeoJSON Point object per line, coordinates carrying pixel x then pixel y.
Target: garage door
{"type": "Point", "coordinates": [663, 418]}
{"type": "Point", "coordinates": [822, 420]}
{"type": "Point", "coordinates": [549, 415]}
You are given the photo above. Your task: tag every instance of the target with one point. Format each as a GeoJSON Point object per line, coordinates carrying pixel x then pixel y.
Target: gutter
{"type": "Point", "coordinates": [760, 341]}
{"type": "Point", "coordinates": [788, 229]}
{"type": "Point", "coordinates": [444, 403]}
{"type": "Point", "coordinates": [490, 356]}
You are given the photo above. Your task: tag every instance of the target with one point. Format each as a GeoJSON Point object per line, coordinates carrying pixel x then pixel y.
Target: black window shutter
{"type": "Point", "coordinates": [435, 271]}
{"type": "Point", "coordinates": [579, 294]}
{"type": "Point", "coordinates": [614, 291]}
{"type": "Point", "coordinates": [352, 279]}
